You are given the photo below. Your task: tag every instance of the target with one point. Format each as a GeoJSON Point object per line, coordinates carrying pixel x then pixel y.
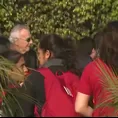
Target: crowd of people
{"type": "Point", "coordinates": [61, 75]}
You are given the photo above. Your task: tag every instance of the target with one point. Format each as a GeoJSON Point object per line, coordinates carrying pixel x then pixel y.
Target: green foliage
{"type": "Point", "coordinates": [77, 18]}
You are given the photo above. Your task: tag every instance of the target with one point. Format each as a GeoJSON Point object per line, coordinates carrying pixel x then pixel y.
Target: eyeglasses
{"type": "Point", "coordinates": [28, 39]}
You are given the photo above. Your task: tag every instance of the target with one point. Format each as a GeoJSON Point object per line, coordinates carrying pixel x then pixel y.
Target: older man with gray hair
{"type": "Point", "coordinates": [20, 38]}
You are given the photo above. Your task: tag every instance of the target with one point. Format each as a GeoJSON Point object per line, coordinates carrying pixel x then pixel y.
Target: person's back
{"type": "Point", "coordinates": [62, 87]}
{"type": "Point", "coordinates": [93, 78]}
{"type": "Point", "coordinates": [91, 84]}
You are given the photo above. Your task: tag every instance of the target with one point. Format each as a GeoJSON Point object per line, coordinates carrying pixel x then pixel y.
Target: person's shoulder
{"type": "Point", "coordinates": [94, 66]}
{"type": "Point", "coordinates": [90, 65]}
{"type": "Point", "coordinates": [34, 79]}
{"type": "Point", "coordinates": [35, 75]}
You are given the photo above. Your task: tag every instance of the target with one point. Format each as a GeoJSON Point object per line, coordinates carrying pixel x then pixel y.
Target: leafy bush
{"type": "Point", "coordinates": [77, 18]}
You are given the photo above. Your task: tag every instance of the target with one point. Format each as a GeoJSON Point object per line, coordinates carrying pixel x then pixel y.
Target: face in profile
{"type": "Point", "coordinates": [43, 56]}
{"type": "Point", "coordinates": [24, 42]}
{"type": "Point", "coordinates": [93, 54]}
{"type": "Point", "coordinates": [21, 64]}
{"type": "Point", "coordinates": [18, 71]}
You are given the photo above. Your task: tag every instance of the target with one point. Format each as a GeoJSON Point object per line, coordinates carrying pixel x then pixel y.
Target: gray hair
{"type": "Point", "coordinates": [15, 32]}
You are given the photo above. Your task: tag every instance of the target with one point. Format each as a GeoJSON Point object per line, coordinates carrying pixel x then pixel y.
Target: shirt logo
{"type": "Point", "coordinates": [68, 91]}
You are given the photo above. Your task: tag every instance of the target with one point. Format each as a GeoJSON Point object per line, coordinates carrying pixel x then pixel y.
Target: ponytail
{"type": "Point", "coordinates": [69, 55]}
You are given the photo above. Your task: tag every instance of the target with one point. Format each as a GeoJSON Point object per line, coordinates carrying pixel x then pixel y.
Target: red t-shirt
{"type": "Point", "coordinates": [90, 84]}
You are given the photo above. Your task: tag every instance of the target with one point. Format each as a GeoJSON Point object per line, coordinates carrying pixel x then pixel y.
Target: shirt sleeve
{"type": "Point", "coordinates": [85, 82]}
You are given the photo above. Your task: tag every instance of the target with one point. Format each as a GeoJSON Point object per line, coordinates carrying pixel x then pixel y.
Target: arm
{"type": "Point", "coordinates": [84, 93]}
{"type": "Point", "coordinates": [81, 105]}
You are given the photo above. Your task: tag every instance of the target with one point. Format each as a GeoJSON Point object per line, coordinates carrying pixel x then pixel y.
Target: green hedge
{"type": "Point", "coordinates": [77, 18]}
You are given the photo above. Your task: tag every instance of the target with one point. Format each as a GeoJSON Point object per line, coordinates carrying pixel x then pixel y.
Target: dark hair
{"type": "Point", "coordinates": [61, 48]}
{"type": "Point", "coordinates": [109, 44]}
{"type": "Point", "coordinates": [85, 42]}
{"type": "Point", "coordinates": [97, 40]}
{"type": "Point", "coordinates": [4, 44]}
{"type": "Point", "coordinates": [31, 60]}
{"type": "Point", "coordinates": [12, 56]}
{"type": "Point", "coordinates": [8, 54]}
{"type": "Point", "coordinates": [84, 49]}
